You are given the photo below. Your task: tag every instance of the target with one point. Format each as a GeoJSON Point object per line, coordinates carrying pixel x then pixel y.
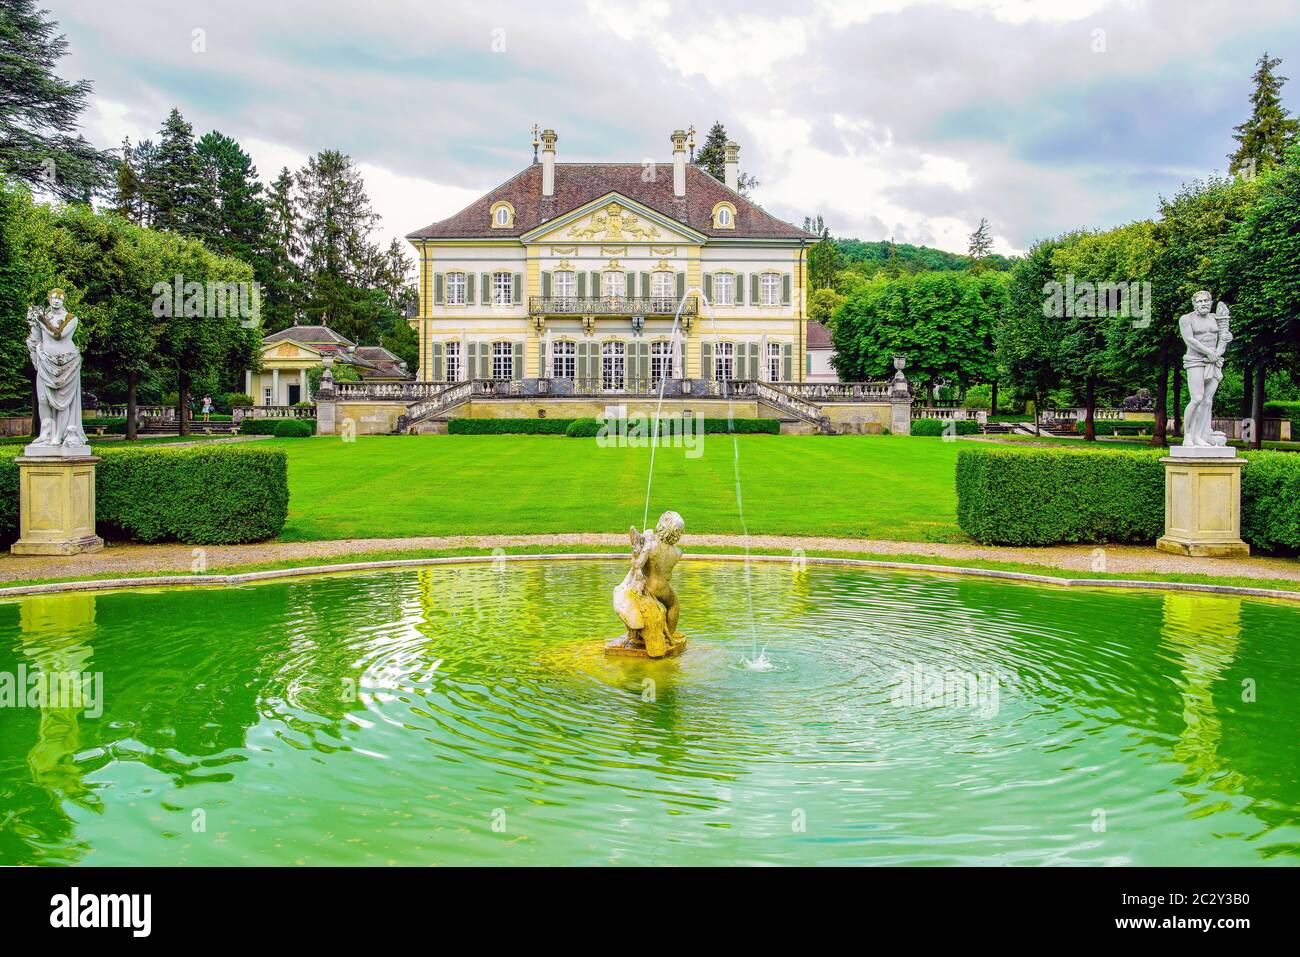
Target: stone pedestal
{"type": "Point", "coordinates": [1203, 503]}
{"type": "Point", "coordinates": [56, 496]}
{"type": "Point", "coordinates": [625, 646]}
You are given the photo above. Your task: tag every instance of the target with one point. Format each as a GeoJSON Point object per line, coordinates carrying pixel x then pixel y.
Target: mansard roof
{"type": "Point", "coordinates": [577, 184]}
{"type": "Point", "coordinates": [308, 335]}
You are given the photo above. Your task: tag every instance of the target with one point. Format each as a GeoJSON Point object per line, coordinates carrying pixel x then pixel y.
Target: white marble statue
{"type": "Point", "coordinates": [58, 379]}
{"type": "Point", "coordinates": [1207, 337]}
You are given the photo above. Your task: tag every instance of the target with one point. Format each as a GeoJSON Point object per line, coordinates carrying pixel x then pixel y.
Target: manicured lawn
{"type": "Point", "coordinates": [894, 487]}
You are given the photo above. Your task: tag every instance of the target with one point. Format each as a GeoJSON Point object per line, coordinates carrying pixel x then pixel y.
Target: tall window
{"type": "Point", "coordinates": [502, 293]}
{"type": "Point", "coordinates": [455, 289]}
{"type": "Point", "coordinates": [564, 362]}
{"type": "Point", "coordinates": [662, 288]}
{"type": "Point", "coordinates": [612, 364]}
{"type": "Point", "coordinates": [724, 361]}
{"type": "Point", "coordinates": [503, 366]}
{"type": "Point", "coordinates": [615, 285]}
{"type": "Point", "coordinates": [724, 289]}
{"type": "Point", "coordinates": [451, 349]}
{"type": "Point", "coordinates": [661, 360]}
{"type": "Point", "coordinates": [774, 362]}
{"type": "Point", "coordinates": [770, 289]}
{"type": "Point", "coordinates": [563, 286]}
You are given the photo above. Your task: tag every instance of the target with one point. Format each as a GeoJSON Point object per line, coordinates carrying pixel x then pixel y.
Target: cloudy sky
{"type": "Point", "coordinates": [902, 118]}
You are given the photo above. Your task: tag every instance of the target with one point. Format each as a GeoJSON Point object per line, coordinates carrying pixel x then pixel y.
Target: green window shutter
{"type": "Point", "coordinates": [469, 288]}
{"type": "Point", "coordinates": [740, 288]}
{"type": "Point", "coordinates": [471, 357]}
{"type": "Point", "coordinates": [541, 359]}
{"type": "Point", "coordinates": [436, 349]}
{"type": "Point", "coordinates": [596, 289]}
{"type": "Point", "coordinates": [708, 286]}
{"type": "Point", "coordinates": [787, 362]}
{"type": "Point", "coordinates": [517, 288]}
{"type": "Point", "coordinates": [485, 360]}
{"type": "Point", "coordinates": [582, 285]}
{"type": "Point", "coordinates": [706, 360]}
{"type": "Point", "coordinates": [643, 363]}
{"type": "Point", "coordinates": [517, 362]}
{"type": "Point", "coordinates": [681, 285]}
{"type": "Point", "coordinates": [752, 371]}
{"type": "Point", "coordinates": [645, 285]}
{"type": "Point", "coordinates": [785, 289]}
{"type": "Point", "coordinates": [754, 299]}
{"type": "Point", "coordinates": [438, 288]}
{"type": "Point", "coordinates": [486, 279]}
{"type": "Point", "coordinates": [546, 284]}
{"type": "Point", "coordinates": [807, 365]}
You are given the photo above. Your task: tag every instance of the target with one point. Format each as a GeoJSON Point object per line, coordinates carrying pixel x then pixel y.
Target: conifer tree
{"type": "Point", "coordinates": [1263, 139]}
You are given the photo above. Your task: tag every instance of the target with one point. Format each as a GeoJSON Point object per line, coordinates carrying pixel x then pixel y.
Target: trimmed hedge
{"type": "Point", "coordinates": [199, 495]}
{"type": "Point", "coordinates": [111, 426]}
{"type": "Point", "coordinates": [1284, 410]}
{"type": "Point", "coordinates": [1112, 426]}
{"type": "Point", "coordinates": [1035, 496]}
{"type": "Point", "coordinates": [936, 426]}
{"type": "Point", "coordinates": [508, 426]}
{"type": "Point", "coordinates": [1270, 500]}
{"type": "Point", "coordinates": [280, 428]}
{"type": "Point", "coordinates": [589, 428]}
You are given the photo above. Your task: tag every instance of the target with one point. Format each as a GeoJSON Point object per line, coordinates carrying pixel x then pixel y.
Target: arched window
{"type": "Point", "coordinates": [564, 289]}
{"type": "Point", "coordinates": [564, 359]}
{"type": "Point", "coordinates": [774, 362]}
{"type": "Point", "coordinates": [724, 361]}
{"type": "Point", "coordinates": [503, 215]}
{"type": "Point", "coordinates": [724, 216]}
{"type": "Point", "coordinates": [661, 360]}
{"type": "Point", "coordinates": [615, 285]}
{"type": "Point", "coordinates": [613, 365]}
{"type": "Point", "coordinates": [663, 290]}
{"type": "Point", "coordinates": [451, 348]}
{"type": "Point", "coordinates": [503, 366]}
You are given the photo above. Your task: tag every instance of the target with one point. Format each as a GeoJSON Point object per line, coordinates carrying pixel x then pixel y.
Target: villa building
{"type": "Point", "coordinates": [573, 273]}
{"type": "Point", "coordinates": [574, 289]}
{"type": "Point", "coordinates": [288, 355]}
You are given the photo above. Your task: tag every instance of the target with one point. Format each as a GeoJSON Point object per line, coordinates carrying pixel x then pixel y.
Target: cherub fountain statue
{"type": "Point", "coordinates": [645, 600]}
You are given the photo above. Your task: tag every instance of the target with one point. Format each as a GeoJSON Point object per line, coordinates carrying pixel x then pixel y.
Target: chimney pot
{"type": "Point", "coordinates": [679, 163]}
{"type": "Point", "coordinates": [731, 165]}
{"type": "Point", "coordinates": [548, 162]}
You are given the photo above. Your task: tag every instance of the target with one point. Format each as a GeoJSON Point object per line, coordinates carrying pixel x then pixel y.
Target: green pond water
{"type": "Point", "coordinates": [465, 715]}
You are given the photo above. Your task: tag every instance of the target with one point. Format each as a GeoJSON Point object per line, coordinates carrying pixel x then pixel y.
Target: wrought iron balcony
{"type": "Point", "coordinates": [610, 306]}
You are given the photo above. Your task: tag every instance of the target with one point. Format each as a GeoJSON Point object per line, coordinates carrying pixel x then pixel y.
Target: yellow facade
{"type": "Point", "coordinates": [529, 331]}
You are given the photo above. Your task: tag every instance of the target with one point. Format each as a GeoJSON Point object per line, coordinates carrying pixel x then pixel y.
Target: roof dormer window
{"type": "Point", "coordinates": [503, 215]}
{"type": "Point", "coordinates": [724, 216]}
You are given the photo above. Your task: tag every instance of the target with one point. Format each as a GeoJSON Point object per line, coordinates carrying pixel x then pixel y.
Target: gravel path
{"type": "Point", "coordinates": [128, 559]}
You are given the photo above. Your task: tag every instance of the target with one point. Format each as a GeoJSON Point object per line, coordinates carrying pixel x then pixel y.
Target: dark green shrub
{"type": "Point", "coordinates": [1113, 426]}
{"type": "Point", "coordinates": [280, 428]}
{"type": "Point", "coordinates": [1034, 496]}
{"type": "Point", "coordinates": [1285, 410]}
{"type": "Point", "coordinates": [1270, 501]}
{"type": "Point", "coordinates": [587, 428]}
{"type": "Point", "coordinates": [199, 495]}
{"type": "Point", "coordinates": [936, 426]}
{"type": "Point", "coordinates": [508, 426]}
{"type": "Point", "coordinates": [110, 426]}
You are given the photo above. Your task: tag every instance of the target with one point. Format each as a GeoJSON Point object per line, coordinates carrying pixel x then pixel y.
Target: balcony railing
{"type": "Point", "coordinates": [610, 305]}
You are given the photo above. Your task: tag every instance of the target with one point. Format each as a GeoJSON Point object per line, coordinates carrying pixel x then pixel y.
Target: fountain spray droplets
{"type": "Point", "coordinates": [760, 663]}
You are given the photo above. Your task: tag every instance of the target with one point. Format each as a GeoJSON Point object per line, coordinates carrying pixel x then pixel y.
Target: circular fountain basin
{"type": "Point", "coordinates": [468, 715]}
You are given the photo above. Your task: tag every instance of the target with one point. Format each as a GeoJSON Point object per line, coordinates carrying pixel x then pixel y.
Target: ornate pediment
{"type": "Point", "coordinates": [288, 351]}
{"type": "Point", "coordinates": [613, 222]}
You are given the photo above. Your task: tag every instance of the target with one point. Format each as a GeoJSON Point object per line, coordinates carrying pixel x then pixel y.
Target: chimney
{"type": "Point", "coordinates": [679, 163]}
{"type": "Point", "coordinates": [548, 162]}
{"type": "Point", "coordinates": [731, 165]}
